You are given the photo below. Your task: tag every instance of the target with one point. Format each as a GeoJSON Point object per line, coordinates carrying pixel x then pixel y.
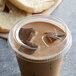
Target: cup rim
{"type": "Point", "coordinates": [28, 57]}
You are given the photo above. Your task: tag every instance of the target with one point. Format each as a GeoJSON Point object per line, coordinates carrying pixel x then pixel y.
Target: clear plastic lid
{"type": "Point", "coordinates": [41, 53]}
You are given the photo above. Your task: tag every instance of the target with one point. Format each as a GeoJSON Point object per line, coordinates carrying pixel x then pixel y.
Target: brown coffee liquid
{"type": "Point", "coordinates": [51, 68]}
{"type": "Point", "coordinates": [45, 48]}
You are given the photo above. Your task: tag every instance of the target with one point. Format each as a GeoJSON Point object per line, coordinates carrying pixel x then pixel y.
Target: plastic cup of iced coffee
{"type": "Point", "coordinates": [40, 44]}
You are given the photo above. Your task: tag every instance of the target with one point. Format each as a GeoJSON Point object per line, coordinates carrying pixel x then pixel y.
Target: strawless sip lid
{"type": "Point", "coordinates": [31, 42]}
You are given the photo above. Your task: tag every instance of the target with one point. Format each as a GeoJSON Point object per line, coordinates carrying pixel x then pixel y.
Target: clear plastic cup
{"type": "Point", "coordinates": [39, 66]}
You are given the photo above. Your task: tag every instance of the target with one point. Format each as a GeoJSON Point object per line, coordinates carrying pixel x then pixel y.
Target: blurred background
{"type": "Point", "coordinates": [67, 12]}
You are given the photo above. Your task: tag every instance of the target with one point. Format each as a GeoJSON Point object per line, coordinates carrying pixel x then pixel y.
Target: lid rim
{"type": "Point", "coordinates": [47, 57]}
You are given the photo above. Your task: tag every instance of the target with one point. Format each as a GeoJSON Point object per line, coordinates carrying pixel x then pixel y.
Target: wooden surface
{"type": "Point", "coordinates": [47, 12]}
{"type": "Point", "coordinates": [4, 35]}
